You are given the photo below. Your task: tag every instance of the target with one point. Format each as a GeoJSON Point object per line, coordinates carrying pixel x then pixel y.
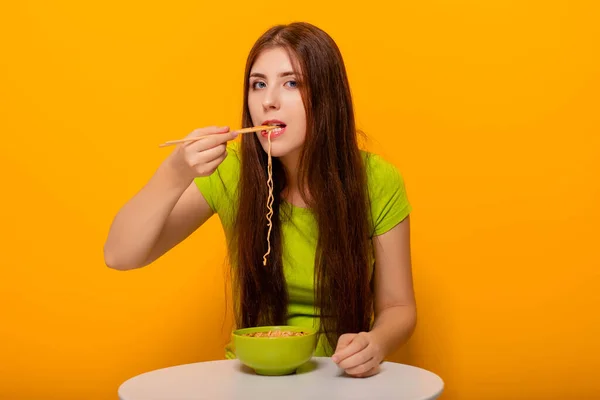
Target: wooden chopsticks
{"type": "Point", "coordinates": [244, 130]}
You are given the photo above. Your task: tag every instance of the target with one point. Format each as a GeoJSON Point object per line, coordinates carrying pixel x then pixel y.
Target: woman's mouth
{"type": "Point", "coordinates": [275, 132]}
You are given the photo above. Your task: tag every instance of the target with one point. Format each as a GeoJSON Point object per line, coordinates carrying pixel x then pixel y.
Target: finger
{"type": "Point", "coordinates": [357, 359]}
{"type": "Point", "coordinates": [359, 368]}
{"type": "Point", "coordinates": [358, 343]}
{"type": "Point", "coordinates": [344, 341]}
{"type": "Point", "coordinates": [212, 141]}
{"type": "Point", "coordinates": [209, 168]}
{"type": "Point", "coordinates": [373, 371]}
{"type": "Point", "coordinates": [209, 155]}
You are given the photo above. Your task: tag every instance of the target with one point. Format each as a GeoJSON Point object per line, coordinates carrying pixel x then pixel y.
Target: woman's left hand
{"type": "Point", "coordinates": [358, 354]}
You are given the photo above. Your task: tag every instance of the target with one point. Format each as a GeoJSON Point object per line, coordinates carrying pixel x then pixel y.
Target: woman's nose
{"type": "Point", "coordinates": [271, 100]}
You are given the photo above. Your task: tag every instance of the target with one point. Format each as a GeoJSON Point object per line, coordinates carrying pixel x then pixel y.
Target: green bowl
{"type": "Point", "coordinates": [274, 355]}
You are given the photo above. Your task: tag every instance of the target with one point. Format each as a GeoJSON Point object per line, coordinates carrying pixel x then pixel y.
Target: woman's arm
{"type": "Point", "coordinates": [395, 309]}
{"type": "Point", "coordinates": [169, 207]}
{"type": "Point", "coordinates": [158, 217]}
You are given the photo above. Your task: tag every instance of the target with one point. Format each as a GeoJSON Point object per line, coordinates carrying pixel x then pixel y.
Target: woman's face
{"type": "Point", "coordinates": [274, 98]}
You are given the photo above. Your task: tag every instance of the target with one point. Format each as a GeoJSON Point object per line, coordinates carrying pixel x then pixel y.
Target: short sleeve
{"type": "Point", "coordinates": [219, 187]}
{"type": "Point", "coordinates": [387, 194]}
{"type": "Point", "coordinates": [206, 187]}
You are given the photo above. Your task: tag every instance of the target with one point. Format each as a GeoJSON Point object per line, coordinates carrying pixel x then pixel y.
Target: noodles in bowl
{"type": "Point", "coordinates": [274, 350]}
{"type": "Point", "coordinates": [275, 333]}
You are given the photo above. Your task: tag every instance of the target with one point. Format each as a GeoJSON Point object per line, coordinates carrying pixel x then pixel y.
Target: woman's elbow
{"type": "Point", "coordinates": [116, 262]}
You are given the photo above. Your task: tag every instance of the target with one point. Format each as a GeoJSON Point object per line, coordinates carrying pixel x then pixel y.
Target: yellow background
{"type": "Point", "coordinates": [489, 108]}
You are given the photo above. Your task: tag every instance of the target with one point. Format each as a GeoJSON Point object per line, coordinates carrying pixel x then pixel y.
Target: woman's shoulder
{"type": "Point", "coordinates": [234, 152]}
{"type": "Point", "coordinates": [387, 193]}
{"type": "Point", "coordinates": [219, 188]}
{"type": "Point", "coordinates": [235, 148]}
{"type": "Point", "coordinates": [381, 172]}
{"type": "Point", "coordinates": [231, 163]}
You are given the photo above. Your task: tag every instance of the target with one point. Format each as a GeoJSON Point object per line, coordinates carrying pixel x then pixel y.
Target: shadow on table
{"type": "Point", "coordinates": [307, 367]}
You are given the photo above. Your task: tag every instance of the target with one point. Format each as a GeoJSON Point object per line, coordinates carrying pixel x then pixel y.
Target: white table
{"type": "Point", "coordinates": [318, 379]}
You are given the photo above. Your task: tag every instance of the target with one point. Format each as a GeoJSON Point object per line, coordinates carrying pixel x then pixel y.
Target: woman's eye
{"type": "Point", "coordinates": [258, 85]}
{"type": "Point", "coordinates": [292, 84]}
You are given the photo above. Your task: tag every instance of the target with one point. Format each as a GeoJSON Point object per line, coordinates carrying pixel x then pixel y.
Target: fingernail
{"type": "Point", "coordinates": [335, 359]}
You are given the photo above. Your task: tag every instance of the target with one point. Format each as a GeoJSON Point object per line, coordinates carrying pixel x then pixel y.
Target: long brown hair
{"type": "Point", "coordinates": [332, 170]}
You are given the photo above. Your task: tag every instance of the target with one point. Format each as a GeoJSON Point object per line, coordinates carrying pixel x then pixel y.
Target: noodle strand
{"type": "Point", "coordinates": [270, 200]}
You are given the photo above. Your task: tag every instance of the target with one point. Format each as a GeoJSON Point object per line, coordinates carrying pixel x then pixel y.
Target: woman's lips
{"type": "Point", "coordinates": [274, 132]}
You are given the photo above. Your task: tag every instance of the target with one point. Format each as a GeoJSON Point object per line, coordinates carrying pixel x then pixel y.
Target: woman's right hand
{"type": "Point", "coordinates": [201, 157]}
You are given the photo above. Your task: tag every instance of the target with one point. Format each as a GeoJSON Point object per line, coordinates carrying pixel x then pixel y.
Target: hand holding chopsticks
{"type": "Point", "coordinates": [203, 151]}
{"type": "Point", "coordinates": [195, 138]}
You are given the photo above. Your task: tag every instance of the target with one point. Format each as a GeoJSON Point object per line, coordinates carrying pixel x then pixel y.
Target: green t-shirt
{"type": "Point", "coordinates": [389, 206]}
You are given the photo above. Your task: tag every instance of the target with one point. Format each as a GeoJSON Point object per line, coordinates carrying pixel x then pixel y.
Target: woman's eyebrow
{"type": "Point", "coordinates": [263, 76]}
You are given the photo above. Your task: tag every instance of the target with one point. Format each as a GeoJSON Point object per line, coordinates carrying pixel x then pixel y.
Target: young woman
{"type": "Point", "coordinates": [337, 243]}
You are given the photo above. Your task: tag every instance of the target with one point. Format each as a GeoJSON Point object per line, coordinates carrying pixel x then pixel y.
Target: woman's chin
{"type": "Point", "coordinates": [281, 149]}
{"type": "Point", "coordinates": [277, 150]}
